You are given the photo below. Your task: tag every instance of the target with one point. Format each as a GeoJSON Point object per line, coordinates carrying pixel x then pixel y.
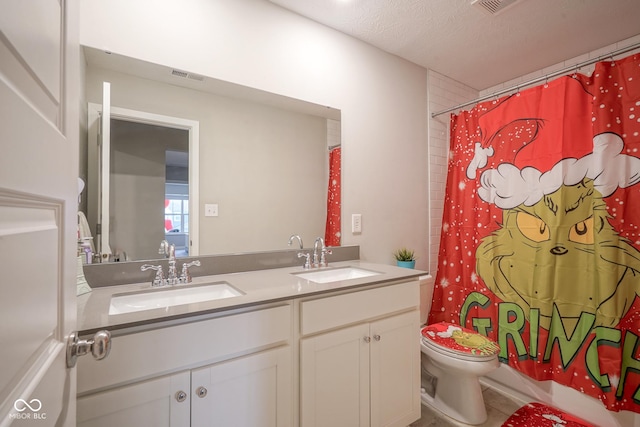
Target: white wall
{"type": "Point", "coordinates": [257, 44]}
{"type": "Point", "coordinates": [445, 93]}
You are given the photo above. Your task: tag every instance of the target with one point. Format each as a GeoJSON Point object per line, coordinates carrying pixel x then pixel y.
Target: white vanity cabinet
{"type": "Point", "coordinates": [230, 370]}
{"type": "Point", "coordinates": [360, 358]}
{"type": "Point", "coordinates": [159, 402]}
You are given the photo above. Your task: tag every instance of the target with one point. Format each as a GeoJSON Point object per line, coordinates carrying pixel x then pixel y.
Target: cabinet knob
{"type": "Point", "coordinates": [376, 337]}
{"type": "Point", "coordinates": [181, 396]}
{"type": "Point", "coordinates": [367, 339]}
{"type": "Point", "coordinates": [201, 391]}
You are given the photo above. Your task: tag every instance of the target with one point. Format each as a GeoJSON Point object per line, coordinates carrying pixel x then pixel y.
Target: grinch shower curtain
{"type": "Point", "coordinates": [540, 245]}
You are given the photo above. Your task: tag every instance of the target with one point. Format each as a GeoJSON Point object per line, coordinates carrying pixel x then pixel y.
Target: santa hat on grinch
{"type": "Point", "coordinates": [536, 141]}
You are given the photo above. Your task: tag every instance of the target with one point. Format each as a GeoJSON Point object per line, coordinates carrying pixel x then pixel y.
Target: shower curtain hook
{"type": "Point", "coordinates": [575, 73]}
{"type": "Point", "coordinates": [546, 81]}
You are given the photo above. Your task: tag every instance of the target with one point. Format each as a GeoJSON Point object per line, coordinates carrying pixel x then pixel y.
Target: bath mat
{"type": "Point", "coordinates": [541, 415]}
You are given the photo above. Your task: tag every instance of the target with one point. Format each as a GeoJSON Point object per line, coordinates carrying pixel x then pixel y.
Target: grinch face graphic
{"type": "Point", "coordinates": [556, 250]}
{"type": "Point", "coordinates": [561, 253]}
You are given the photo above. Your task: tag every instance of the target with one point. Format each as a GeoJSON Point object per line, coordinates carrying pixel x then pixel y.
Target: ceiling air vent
{"type": "Point", "coordinates": [187, 75]}
{"type": "Point", "coordinates": [179, 73]}
{"type": "Point", "coordinates": [493, 7]}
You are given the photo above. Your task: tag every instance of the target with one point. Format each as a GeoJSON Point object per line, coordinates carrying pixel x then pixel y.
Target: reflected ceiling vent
{"type": "Point", "coordinates": [493, 7]}
{"type": "Point", "coordinates": [187, 75]}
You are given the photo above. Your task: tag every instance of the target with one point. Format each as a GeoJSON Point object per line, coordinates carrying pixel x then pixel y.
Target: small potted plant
{"type": "Point", "coordinates": [405, 258]}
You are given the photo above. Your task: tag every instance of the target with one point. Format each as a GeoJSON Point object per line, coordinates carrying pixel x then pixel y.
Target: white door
{"type": "Point", "coordinates": [38, 203]}
{"type": "Point", "coordinates": [250, 391]}
{"type": "Point", "coordinates": [158, 402]}
{"type": "Point", "coordinates": [334, 378]}
{"type": "Point", "coordinates": [395, 370]}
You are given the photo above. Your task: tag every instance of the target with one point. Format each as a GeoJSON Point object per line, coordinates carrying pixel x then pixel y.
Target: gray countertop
{"type": "Point", "coordinates": [259, 287]}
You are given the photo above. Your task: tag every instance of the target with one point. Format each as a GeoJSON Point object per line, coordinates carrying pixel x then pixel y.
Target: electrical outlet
{"type": "Point", "coordinates": [356, 223]}
{"type": "Point", "coordinates": [211, 209]}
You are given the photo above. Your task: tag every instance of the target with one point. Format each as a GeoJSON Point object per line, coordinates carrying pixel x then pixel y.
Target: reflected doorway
{"type": "Point", "coordinates": [176, 202]}
{"type": "Point", "coordinates": [149, 191]}
{"type": "Point", "coordinates": [130, 207]}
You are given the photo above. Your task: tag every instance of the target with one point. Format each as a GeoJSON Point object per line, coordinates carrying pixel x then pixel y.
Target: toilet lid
{"type": "Point", "coordinates": [459, 340]}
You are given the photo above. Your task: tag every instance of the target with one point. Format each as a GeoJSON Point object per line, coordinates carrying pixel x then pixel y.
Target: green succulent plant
{"type": "Point", "coordinates": [404, 254]}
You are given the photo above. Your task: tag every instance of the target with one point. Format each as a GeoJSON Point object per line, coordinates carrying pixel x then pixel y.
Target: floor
{"type": "Point", "coordinates": [499, 408]}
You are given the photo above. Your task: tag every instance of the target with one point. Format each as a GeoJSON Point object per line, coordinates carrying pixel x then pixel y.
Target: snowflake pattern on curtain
{"type": "Point", "coordinates": [332, 228]}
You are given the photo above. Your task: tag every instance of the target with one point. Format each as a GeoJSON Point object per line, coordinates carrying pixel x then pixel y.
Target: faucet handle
{"type": "Point", "coordinates": [323, 259]}
{"type": "Point", "coordinates": [158, 280]}
{"type": "Point", "coordinates": [185, 277]}
{"type": "Point", "coordinates": [307, 255]}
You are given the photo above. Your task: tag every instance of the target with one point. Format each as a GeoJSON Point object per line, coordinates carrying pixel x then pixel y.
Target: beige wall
{"type": "Point", "coordinates": [258, 44]}
{"type": "Point", "coordinates": [266, 168]}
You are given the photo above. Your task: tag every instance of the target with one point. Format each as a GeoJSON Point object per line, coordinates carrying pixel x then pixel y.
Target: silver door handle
{"type": "Point", "coordinates": [367, 339]}
{"type": "Point", "coordinates": [376, 337]}
{"type": "Point", "coordinates": [99, 346]}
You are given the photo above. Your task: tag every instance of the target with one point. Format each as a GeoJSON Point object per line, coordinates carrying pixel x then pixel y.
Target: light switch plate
{"type": "Point", "coordinates": [356, 223]}
{"type": "Point", "coordinates": [211, 209]}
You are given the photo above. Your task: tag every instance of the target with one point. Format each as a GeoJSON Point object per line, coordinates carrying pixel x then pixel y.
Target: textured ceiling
{"type": "Point", "coordinates": [469, 44]}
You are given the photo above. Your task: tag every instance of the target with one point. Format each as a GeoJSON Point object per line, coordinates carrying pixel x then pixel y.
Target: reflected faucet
{"type": "Point", "coordinates": [295, 236]}
{"type": "Point", "coordinates": [164, 249]}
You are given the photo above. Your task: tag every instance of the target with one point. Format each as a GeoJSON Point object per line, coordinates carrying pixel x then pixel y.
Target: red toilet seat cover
{"type": "Point", "coordinates": [459, 339]}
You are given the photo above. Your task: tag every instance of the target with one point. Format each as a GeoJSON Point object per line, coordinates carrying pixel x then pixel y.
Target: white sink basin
{"type": "Point", "coordinates": [167, 297]}
{"type": "Point", "coordinates": [336, 274]}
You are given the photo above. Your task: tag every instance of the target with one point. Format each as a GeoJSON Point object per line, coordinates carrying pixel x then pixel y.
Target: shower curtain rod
{"type": "Point", "coordinates": [563, 71]}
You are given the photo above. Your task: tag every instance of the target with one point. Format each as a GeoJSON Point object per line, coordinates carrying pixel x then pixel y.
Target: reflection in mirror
{"type": "Point", "coordinates": [128, 176]}
{"type": "Point", "coordinates": [148, 191]}
{"type": "Point", "coordinates": [262, 162]}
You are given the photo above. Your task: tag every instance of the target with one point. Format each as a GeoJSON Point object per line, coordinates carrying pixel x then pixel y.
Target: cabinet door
{"type": "Point", "coordinates": [152, 403]}
{"type": "Point", "coordinates": [334, 378]}
{"type": "Point", "coordinates": [395, 370]}
{"type": "Point", "coordinates": [254, 391]}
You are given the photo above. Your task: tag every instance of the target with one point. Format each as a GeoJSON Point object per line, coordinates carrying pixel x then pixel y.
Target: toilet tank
{"type": "Point", "coordinates": [426, 296]}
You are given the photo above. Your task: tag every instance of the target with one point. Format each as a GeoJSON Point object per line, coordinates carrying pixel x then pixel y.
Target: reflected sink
{"type": "Point", "coordinates": [336, 274]}
{"type": "Point", "coordinates": [168, 297]}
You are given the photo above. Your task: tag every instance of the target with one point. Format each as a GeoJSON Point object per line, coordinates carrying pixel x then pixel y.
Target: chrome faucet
{"type": "Point", "coordinates": [319, 258]}
{"type": "Point", "coordinates": [295, 236]}
{"type": "Point", "coordinates": [172, 274]}
{"type": "Point", "coordinates": [172, 278]}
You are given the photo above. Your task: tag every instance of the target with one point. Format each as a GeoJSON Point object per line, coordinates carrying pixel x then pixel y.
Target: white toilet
{"type": "Point", "coordinates": [453, 359]}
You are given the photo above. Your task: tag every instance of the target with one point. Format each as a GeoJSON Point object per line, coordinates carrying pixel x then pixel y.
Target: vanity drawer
{"type": "Point", "coordinates": [336, 311]}
{"type": "Point", "coordinates": [164, 350]}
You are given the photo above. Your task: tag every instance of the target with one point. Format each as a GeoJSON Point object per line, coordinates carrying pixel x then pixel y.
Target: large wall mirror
{"type": "Point", "coordinates": [261, 162]}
